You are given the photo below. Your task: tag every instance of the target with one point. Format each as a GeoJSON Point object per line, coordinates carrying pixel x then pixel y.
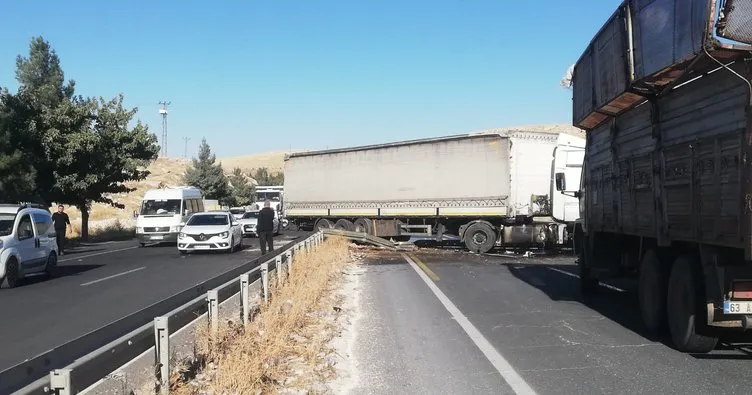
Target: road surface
{"type": "Point", "coordinates": [460, 323]}
{"type": "Point", "coordinates": [101, 283]}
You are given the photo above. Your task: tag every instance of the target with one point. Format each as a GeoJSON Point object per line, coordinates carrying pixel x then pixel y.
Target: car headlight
{"type": "Point", "coordinates": [181, 235]}
{"type": "Point", "coordinates": [224, 235]}
{"type": "Point", "coordinates": [139, 230]}
{"type": "Point", "coordinates": [174, 229]}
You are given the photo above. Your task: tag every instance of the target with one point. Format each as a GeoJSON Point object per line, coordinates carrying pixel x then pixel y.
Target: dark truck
{"type": "Point", "coordinates": [663, 92]}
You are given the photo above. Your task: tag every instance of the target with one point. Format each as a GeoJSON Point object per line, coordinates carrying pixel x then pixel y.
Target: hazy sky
{"type": "Point", "coordinates": [254, 76]}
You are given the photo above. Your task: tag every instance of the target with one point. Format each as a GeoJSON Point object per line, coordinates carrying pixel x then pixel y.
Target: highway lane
{"type": "Point", "coordinates": [531, 312]}
{"type": "Point", "coordinates": [99, 284]}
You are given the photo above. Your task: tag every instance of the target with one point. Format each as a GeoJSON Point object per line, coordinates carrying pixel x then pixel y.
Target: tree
{"type": "Point", "coordinates": [264, 177]}
{"type": "Point", "coordinates": [97, 162]}
{"type": "Point", "coordinates": [17, 173]}
{"type": "Point", "coordinates": [242, 190]}
{"type": "Point", "coordinates": [208, 176]}
{"type": "Point", "coordinates": [33, 121]}
{"type": "Point", "coordinates": [81, 150]}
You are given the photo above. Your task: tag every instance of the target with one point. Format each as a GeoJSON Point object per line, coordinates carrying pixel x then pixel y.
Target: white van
{"type": "Point", "coordinates": [163, 210]}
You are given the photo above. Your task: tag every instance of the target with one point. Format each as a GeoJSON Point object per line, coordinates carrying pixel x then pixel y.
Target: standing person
{"type": "Point", "coordinates": [61, 222]}
{"type": "Point", "coordinates": [265, 227]}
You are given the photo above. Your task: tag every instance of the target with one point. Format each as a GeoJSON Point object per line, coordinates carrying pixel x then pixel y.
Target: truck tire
{"type": "Point", "coordinates": [480, 237]}
{"type": "Point", "coordinates": [652, 293]}
{"type": "Point", "coordinates": [344, 224]}
{"type": "Point", "coordinates": [588, 283]}
{"type": "Point", "coordinates": [363, 225]}
{"type": "Point", "coordinates": [685, 314]}
{"type": "Point", "coordinates": [323, 223]}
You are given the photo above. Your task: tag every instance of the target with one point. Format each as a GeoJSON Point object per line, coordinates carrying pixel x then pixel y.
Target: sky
{"type": "Point", "coordinates": [258, 76]}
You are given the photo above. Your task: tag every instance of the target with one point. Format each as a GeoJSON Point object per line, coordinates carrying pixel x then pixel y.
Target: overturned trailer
{"type": "Point", "coordinates": [666, 192]}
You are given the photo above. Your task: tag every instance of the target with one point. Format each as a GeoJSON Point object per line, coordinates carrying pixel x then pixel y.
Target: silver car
{"type": "Point", "coordinates": [249, 221]}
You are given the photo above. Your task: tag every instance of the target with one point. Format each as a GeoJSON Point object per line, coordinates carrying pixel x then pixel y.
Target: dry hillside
{"type": "Point", "coordinates": [169, 172]}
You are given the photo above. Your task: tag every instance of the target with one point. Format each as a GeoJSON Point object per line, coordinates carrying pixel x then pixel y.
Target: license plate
{"type": "Point", "coordinates": [201, 247]}
{"type": "Point", "coordinates": [737, 307]}
{"type": "Point", "coordinates": [157, 237]}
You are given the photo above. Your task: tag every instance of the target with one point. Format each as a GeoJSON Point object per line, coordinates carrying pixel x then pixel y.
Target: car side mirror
{"type": "Point", "coordinates": [561, 182]}
{"type": "Point", "coordinates": [182, 224]}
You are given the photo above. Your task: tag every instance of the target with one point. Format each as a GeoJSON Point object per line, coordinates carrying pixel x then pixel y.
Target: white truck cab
{"type": "Point", "coordinates": [27, 243]}
{"type": "Point", "coordinates": [275, 195]}
{"type": "Point", "coordinates": [163, 210]}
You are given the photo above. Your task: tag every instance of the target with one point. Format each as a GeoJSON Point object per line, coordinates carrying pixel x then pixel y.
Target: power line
{"type": "Point", "coordinates": [163, 112]}
{"type": "Point", "coordinates": [185, 154]}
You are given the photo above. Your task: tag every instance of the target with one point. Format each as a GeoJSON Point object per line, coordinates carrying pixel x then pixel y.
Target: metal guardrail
{"type": "Point", "coordinates": [73, 366]}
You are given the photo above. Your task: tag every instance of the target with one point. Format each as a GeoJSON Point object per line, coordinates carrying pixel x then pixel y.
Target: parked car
{"type": "Point", "coordinates": [237, 212]}
{"type": "Point", "coordinates": [28, 244]}
{"type": "Point", "coordinates": [250, 220]}
{"type": "Point", "coordinates": [212, 230]}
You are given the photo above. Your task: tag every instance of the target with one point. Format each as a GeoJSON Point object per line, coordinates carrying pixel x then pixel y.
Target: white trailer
{"type": "Point", "coordinates": [488, 189]}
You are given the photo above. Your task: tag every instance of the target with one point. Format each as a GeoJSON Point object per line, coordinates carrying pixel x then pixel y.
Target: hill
{"type": "Point", "coordinates": [164, 171]}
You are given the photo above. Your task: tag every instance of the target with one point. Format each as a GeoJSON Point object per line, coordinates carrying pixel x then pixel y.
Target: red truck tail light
{"type": "Point", "coordinates": [741, 290]}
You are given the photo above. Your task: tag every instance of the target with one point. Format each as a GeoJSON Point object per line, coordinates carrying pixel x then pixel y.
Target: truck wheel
{"type": "Point", "coordinates": [363, 225]}
{"type": "Point", "coordinates": [343, 224]}
{"type": "Point", "coordinates": [323, 223]}
{"type": "Point", "coordinates": [588, 283]}
{"type": "Point", "coordinates": [683, 307]}
{"type": "Point", "coordinates": [652, 293]}
{"type": "Point", "coordinates": [480, 238]}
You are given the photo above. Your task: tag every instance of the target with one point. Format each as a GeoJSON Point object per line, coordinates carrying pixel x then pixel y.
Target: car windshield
{"type": "Point", "coordinates": [160, 207]}
{"type": "Point", "coordinates": [6, 223]}
{"type": "Point", "coordinates": [208, 219]}
{"type": "Point", "coordinates": [273, 196]}
{"type": "Point", "coordinates": [253, 214]}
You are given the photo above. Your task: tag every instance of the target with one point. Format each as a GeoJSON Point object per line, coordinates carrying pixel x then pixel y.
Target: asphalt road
{"type": "Point", "coordinates": [99, 284]}
{"type": "Point", "coordinates": [534, 333]}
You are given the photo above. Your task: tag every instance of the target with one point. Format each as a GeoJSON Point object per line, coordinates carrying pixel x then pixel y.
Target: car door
{"type": "Point", "coordinates": [45, 234]}
{"type": "Point", "coordinates": [235, 227]}
{"type": "Point", "coordinates": [26, 247]}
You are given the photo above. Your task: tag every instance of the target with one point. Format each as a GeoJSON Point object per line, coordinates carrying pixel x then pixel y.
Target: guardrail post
{"type": "Point", "coordinates": [60, 382]}
{"type": "Point", "coordinates": [162, 353]}
{"type": "Point", "coordinates": [278, 263]}
{"type": "Point", "coordinates": [244, 302]}
{"type": "Point", "coordinates": [288, 254]}
{"type": "Point", "coordinates": [265, 281]}
{"type": "Point", "coordinates": [212, 297]}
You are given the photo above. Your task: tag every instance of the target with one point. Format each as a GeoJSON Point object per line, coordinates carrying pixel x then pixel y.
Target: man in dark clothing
{"type": "Point", "coordinates": [60, 220]}
{"type": "Point", "coordinates": [265, 227]}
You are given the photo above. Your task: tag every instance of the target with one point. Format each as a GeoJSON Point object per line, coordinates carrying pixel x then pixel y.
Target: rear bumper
{"type": "Point", "coordinates": [157, 237]}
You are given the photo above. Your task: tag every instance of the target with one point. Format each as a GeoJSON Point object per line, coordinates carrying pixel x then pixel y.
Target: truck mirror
{"type": "Point", "coordinates": [561, 182]}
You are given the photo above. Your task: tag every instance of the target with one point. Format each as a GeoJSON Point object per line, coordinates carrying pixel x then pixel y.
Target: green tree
{"type": "Point", "coordinates": [208, 176]}
{"type": "Point", "coordinates": [97, 162]}
{"type": "Point", "coordinates": [17, 173]}
{"type": "Point", "coordinates": [242, 190]}
{"type": "Point", "coordinates": [81, 150]}
{"type": "Point", "coordinates": [264, 177]}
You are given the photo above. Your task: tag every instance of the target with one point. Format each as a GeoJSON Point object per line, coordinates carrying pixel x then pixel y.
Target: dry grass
{"type": "Point", "coordinates": [274, 161]}
{"type": "Point", "coordinates": [286, 344]}
{"type": "Point", "coordinates": [169, 172]}
{"type": "Point", "coordinates": [105, 230]}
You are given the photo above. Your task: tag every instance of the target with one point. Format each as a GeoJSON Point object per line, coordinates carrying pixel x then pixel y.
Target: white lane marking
{"type": "Point", "coordinates": [113, 276]}
{"type": "Point", "coordinates": [96, 254]}
{"type": "Point", "coordinates": [518, 384]}
{"type": "Point", "coordinates": [604, 285]}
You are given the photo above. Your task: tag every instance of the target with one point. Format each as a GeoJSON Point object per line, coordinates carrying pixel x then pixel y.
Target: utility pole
{"type": "Point", "coordinates": [163, 112]}
{"type": "Point", "coordinates": [185, 154]}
